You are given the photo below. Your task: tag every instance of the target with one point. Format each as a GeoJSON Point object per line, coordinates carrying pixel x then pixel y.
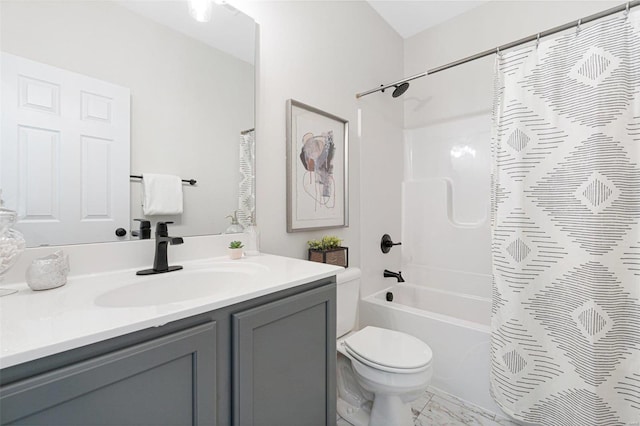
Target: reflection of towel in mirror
{"type": "Point", "coordinates": [162, 194]}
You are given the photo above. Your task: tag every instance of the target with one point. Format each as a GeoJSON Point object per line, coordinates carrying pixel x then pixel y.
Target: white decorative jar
{"type": "Point", "coordinates": [48, 272]}
{"type": "Point", "coordinates": [12, 244]}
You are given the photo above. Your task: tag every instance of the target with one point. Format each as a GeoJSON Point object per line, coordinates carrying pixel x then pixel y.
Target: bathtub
{"type": "Point", "coordinates": [455, 326]}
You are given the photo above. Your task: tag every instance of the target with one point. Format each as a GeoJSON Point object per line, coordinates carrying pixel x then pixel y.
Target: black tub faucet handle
{"type": "Point", "coordinates": [386, 243]}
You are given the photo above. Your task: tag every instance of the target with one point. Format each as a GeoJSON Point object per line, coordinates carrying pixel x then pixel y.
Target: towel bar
{"type": "Point", "coordinates": [189, 181]}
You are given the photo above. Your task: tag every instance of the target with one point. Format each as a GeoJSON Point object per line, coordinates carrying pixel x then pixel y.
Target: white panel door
{"type": "Point", "coordinates": [64, 152]}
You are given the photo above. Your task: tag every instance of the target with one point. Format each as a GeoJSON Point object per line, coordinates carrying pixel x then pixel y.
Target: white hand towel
{"type": "Point", "coordinates": [162, 194]}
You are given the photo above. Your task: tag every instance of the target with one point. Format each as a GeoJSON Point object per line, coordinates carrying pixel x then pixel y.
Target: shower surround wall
{"type": "Point", "coordinates": [446, 207]}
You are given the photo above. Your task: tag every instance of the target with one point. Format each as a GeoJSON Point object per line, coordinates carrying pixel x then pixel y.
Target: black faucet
{"type": "Point", "coordinates": [396, 275]}
{"type": "Point", "coordinates": [160, 263]}
{"type": "Point", "coordinates": [145, 230]}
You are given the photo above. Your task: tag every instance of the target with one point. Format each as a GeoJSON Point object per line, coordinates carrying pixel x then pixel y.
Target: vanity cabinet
{"type": "Point", "coordinates": [166, 381]}
{"type": "Point", "coordinates": [284, 359]}
{"type": "Point", "coordinates": [266, 361]}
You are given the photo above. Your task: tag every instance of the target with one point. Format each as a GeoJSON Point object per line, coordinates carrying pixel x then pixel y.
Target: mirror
{"type": "Point", "coordinates": [192, 102]}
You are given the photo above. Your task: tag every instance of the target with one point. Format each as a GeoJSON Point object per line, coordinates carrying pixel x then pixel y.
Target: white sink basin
{"type": "Point", "coordinates": [199, 281]}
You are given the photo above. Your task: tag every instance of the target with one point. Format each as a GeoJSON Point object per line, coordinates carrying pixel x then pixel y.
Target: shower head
{"type": "Point", "coordinates": [400, 89]}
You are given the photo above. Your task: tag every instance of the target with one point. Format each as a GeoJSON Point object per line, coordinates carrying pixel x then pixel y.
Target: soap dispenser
{"type": "Point", "coordinates": [253, 239]}
{"type": "Point", "coordinates": [235, 227]}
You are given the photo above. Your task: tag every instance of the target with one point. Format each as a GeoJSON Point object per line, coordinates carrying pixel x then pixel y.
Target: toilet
{"type": "Point", "coordinates": [380, 371]}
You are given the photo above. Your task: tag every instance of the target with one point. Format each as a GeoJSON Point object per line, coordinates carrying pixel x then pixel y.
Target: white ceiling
{"type": "Point", "coordinates": [229, 30]}
{"type": "Point", "coordinates": [409, 18]}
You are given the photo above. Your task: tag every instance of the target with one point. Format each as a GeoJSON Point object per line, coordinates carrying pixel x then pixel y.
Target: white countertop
{"type": "Point", "coordinates": [38, 324]}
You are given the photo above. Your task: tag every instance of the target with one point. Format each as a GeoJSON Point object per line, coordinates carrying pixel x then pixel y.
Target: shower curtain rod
{"type": "Point", "coordinates": [623, 7]}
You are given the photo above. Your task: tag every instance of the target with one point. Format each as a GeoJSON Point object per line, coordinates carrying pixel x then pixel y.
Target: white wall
{"type": "Point", "coordinates": [322, 53]}
{"type": "Point", "coordinates": [453, 108]}
{"type": "Point", "coordinates": [189, 101]}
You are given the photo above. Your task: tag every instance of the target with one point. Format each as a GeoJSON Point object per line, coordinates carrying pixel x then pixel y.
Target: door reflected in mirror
{"type": "Point", "coordinates": [191, 94]}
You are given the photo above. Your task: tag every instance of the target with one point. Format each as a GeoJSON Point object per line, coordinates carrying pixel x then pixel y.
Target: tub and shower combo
{"type": "Point", "coordinates": [446, 240]}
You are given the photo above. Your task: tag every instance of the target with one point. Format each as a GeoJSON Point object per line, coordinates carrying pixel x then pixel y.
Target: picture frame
{"type": "Point", "coordinates": [317, 169]}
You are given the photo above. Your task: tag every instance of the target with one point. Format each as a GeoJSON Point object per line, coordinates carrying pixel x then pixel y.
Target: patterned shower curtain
{"type": "Point", "coordinates": [247, 185]}
{"type": "Point", "coordinates": [566, 228]}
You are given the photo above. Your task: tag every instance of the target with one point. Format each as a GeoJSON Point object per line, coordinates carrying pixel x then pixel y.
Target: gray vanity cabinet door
{"type": "Point", "coordinates": [284, 361]}
{"type": "Point", "coordinates": [170, 380]}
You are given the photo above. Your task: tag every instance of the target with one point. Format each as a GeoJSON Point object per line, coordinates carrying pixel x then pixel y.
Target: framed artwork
{"type": "Point", "coordinates": [317, 169]}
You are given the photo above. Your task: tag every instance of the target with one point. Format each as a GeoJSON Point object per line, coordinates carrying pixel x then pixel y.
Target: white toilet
{"type": "Point", "coordinates": [380, 371]}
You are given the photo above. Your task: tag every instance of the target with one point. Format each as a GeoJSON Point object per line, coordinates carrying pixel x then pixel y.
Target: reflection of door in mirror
{"type": "Point", "coordinates": [191, 83]}
{"type": "Point", "coordinates": [65, 150]}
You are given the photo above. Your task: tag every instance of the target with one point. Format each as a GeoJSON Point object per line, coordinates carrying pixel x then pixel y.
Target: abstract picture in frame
{"type": "Point", "coordinates": [317, 169]}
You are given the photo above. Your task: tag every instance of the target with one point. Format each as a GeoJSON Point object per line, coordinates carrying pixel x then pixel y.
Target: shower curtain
{"type": "Point", "coordinates": [247, 185]}
{"type": "Point", "coordinates": [565, 345]}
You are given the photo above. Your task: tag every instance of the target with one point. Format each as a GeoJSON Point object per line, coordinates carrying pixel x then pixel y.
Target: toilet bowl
{"type": "Point", "coordinates": [380, 371]}
{"type": "Point", "coordinates": [394, 367]}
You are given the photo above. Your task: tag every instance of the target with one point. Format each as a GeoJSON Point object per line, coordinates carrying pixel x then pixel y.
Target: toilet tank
{"type": "Point", "coordinates": [348, 294]}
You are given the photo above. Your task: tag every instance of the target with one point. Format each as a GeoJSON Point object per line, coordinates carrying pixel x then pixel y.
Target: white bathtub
{"type": "Point", "coordinates": [455, 326]}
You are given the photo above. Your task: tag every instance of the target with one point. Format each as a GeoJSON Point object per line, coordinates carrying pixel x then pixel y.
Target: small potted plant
{"type": "Point", "coordinates": [235, 249]}
{"type": "Point", "coordinates": [329, 250]}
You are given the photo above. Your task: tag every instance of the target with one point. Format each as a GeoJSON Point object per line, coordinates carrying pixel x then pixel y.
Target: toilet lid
{"type": "Point", "coordinates": [389, 350]}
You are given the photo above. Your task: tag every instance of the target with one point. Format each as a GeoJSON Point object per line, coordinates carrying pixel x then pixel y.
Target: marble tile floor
{"type": "Point", "coordinates": [436, 408]}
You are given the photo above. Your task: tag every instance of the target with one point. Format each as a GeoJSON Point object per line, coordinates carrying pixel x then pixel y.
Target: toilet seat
{"type": "Point", "coordinates": [389, 350]}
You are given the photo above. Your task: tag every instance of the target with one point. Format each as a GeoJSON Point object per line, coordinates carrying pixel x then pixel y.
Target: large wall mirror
{"type": "Point", "coordinates": [185, 90]}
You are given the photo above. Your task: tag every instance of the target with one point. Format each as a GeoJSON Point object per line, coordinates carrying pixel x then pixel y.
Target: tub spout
{"type": "Point", "coordinates": [396, 275]}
